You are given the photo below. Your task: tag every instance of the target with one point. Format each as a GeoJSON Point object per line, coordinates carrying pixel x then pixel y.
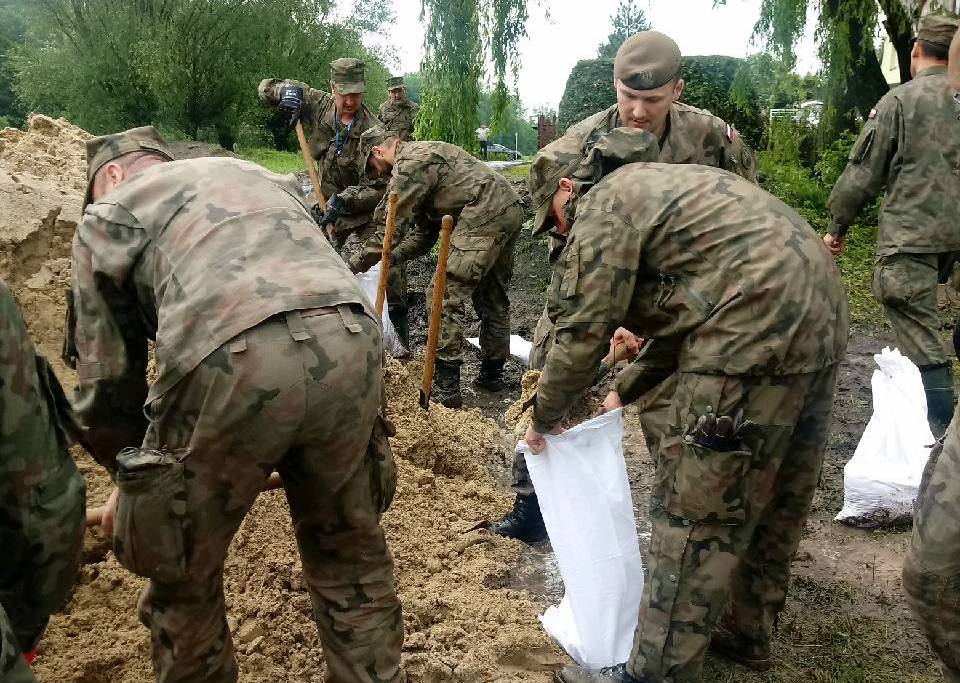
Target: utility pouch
{"type": "Point", "coordinates": [383, 469]}
{"type": "Point", "coordinates": [151, 524]}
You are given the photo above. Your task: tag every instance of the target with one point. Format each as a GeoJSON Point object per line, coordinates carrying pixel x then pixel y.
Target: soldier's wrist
{"type": "Point", "coordinates": [836, 230]}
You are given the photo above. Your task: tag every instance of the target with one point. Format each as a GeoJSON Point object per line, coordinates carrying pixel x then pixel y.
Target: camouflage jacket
{"type": "Point", "coordinates": [433, 179]}
{"type": "Point", "coordinates": [910, 144]}
{"type": "Point", "coordinates": [189, 254]}
{"type": "Point", "coordinates": [692, 136]}
{"type": "Point", "coordinates": [400, 118]}
{"type": "Point", "coordinates": [725, 278]}
{"type": "Point", "coordinates": [337, 171]}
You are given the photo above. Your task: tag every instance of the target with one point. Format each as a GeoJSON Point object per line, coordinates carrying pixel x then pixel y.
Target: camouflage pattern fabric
{"type": "Point", "coordinates": [910, 146]}
{"type": "Point", "coordinates": [337, 171]}
{"type": "Point", "coordinates": [433, 179]}
{"type": "Point", "coordinates": [13, 667]}
{"type": "Point", "coordinates": [268, 357]}
{"type": "Point", "coordinates": [400, 118]}
{"type": "Point", "coordinates": [931, 571]}
{"type": "Point", "coordinates": [906, 285]}
{"type": "Point", "coordinates": [299, 393]}
{"type": "Point", "coordinates": [41, 490]}
{"type": "Point", "coordinates": [747, 311]}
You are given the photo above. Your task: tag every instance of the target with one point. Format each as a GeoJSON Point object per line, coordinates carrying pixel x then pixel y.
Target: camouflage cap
{"type": "Point", "coordinates": [394, 82]}
{"type": "Point", "coordinates": [937, 29]}
{"type": "Point", "coordinates": [619, 147]}
{"type": "Point", "coordinates": [647, 60]}
{"type": "Point", "coordinates": [557, 160]}
{"type": "Point", "coordinates": [347, 76]}
{"type": "Point", "coordinates": [106, 148]}
{"type": "Point", "coordinates": [370, 138]}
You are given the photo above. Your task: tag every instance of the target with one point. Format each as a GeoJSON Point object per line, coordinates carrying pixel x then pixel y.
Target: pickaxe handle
{"type": "Point", "coordinates": [95, 515]}
{"type": "Point", "coordinates": [387, 248]}
{"type": "Point", "coordinates": [433, 333]}
{"type": "Point", "coordinates": [312, 171]}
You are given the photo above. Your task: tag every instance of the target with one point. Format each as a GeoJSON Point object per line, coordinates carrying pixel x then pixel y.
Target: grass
{"type": "Point", "coordinates": [517, 172]}
{"type": "Point", "coordinates": [272, 160]}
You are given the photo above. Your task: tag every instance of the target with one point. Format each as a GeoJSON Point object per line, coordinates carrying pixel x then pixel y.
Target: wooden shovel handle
{"type": "Point", "coordinates": [433, 333]}
{"type": "Point", "coordinates": [312, 171]}
{"type": "Point", "coordinates": [385, 255]}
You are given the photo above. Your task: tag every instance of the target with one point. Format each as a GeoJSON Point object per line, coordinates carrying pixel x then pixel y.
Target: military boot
{"type": "Point", "coordinates": [938, 386]}
{"type": "Point", "coordinates": [446, 384]}
{"type": "Point", "coordinates": [491, 375]}
{"type": "Point", "coordinates": [399, 316]}
{"type": "Point", "coordinates": [727, 643]}
{"type": "Point", "coordinates": [524, 522]}
{"type": "Point", "coordinates": [608, 674]}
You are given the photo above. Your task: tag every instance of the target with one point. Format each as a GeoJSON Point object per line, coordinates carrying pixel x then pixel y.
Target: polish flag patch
{"type": "Point", "coordinates": [872, 114]}
{"type": "Point", "coordinates": [731, 133]}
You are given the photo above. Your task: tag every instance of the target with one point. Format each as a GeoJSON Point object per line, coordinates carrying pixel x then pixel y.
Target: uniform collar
{"type": "Point", "coordinates": [932, 71]}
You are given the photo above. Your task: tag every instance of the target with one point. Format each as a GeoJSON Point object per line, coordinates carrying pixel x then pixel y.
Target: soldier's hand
{"type": "Point", "coordinates": [291, 101]}
{"type": "Point", "coordinates": [537, 441]}
{"type": "Point", "coordinates": [834, 244]}
{"type": "Point", "coordinates": [624, 345]}
{"type": "Point", "coordinates": [611, 402]}
{"type": "Point", "coordinates": [109, 511]}
{"type": "Point", "coordinates": [334, 209]}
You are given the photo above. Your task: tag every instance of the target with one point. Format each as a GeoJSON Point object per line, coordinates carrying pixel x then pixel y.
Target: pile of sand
{"type": "Point", "coordinates": [520, 414]}
{"type": "Point", "coordinates": [50, 149]}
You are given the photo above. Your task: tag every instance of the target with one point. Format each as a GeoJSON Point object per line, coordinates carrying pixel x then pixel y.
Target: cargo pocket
{"type": "Point", "coordinates": [900, 279]}
{"type": "Point", "coordinates": [862, 148]}
{"type": "Point", "coordinates": [383, 469]}
{"type": "Point", "coordinates": [708, 485]}
{"type": "Point", "coordinates": [469, 256]}
{"type": "Point", "coordinates": [151, 522]}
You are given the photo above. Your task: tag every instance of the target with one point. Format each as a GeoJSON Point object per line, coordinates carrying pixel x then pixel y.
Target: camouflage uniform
{"type": "Point", "coordinates": [267, 359]}
{"type": "Point", "coordinates": [400, 118]}
{"type": "Point", "coordinates": [931, 571]}
{"type": "Point", "coordinates": [434, 179]}
{"type": "Point", "coordinates": [338, 169]}
{"type": "Point", "coordinates": [41, 497]}
{"type": "Point", "coordinates": [703, 262]}
{"type": "Point", "coordinates": [910, 144]}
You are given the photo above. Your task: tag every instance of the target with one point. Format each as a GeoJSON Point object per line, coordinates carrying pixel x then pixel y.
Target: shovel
{"type": "Point", "coordinates": [439, 281]}
{"type": "Point", "coordinates": [312, 172]}
{"type": "Point", "coordinates": [387, 248]}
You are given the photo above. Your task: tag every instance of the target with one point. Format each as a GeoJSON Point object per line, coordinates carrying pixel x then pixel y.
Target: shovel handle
{"type": "Point", "coordinates": [385, 255]}
{"type": "Point", "coordinates": [433, 333]}
{"type": "Point", "coordinates": [312, 171]}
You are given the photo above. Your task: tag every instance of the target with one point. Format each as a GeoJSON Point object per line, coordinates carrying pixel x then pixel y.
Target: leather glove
{"type": "Point", "coordinates": [291, 101]}
{"type": "Point", "coordinates": [334, 209]}
{"type": "Point", "coordinates": [723, 433]}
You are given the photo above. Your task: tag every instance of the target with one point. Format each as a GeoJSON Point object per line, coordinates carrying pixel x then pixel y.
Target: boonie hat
{"type": "Point", "coordinates": [347, 76]}
{"type": "Point", "coordinates": [647, 60]}
{"type": "Point", "coordinates": [105, 148]}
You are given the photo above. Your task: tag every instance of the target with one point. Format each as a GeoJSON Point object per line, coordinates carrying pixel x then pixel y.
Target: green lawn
{"type": "Point", "coordinates": [278, 162]}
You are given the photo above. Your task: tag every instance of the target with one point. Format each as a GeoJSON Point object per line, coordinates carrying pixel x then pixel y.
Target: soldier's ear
{"type": "Point", "coordinates": [678, 89]}
{"type": "Point", "coordinates": [566, 185]}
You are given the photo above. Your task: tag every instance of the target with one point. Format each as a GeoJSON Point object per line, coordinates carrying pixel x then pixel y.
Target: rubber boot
{"type": "Point", "coordinates": [608, 674]}
{"type": "Point", "coordinates": [938, 386]}
{"type": "Point", "coordinates": [728, 643]}
{"type": "Point", "coordinates": [399, 316]}
{"type": "Point", "coordinates": [446, 384]}
{"type": "Point", "coordinates": [491, 375]}
{"type": "Point", "coordinates": [524, 522]}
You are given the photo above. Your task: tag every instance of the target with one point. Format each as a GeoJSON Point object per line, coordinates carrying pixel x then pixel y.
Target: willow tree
{"type": "Point", "coordinates": [461, 37]}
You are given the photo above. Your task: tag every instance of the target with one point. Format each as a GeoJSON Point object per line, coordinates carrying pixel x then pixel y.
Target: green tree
{"type": "Point", "coordinates": [460, 35]}
{"type": "Point", "coordinates": [629, 19]}
{"type": "Point", "coordinates": [11, 34]}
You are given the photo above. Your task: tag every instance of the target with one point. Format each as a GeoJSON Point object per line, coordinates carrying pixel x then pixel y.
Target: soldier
{"type": "Point", "coordinates": [268, 358]}
{"type": "Point", "coordinates": [41, 497]}
{"type": "Point", "coordinates": [953, 68]}
{"type": "Point", "coordinates": [433, 179]}
{"type": "Point", "coordinates": [747, 312]}
{"type": "Point", "coordinates": [398, 113]}
{"type": "Point", "coordinates": [337, 120]}
{"type": "Point", "coordinates": [911, 145]}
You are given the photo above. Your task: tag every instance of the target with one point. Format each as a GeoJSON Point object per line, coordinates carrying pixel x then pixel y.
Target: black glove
{"type": "Point", "coordinates": [291, 101]}
{"type": "Point", "coordinates": [395, 259]}
{"type": "Point", "coordinates": [723, 433]}
{"type": "Point", "coordinates": [334, 208]}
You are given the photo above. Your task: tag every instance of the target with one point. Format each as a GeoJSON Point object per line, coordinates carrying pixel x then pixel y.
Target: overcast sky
{"type": "Point", "coordinates": [576, 27]}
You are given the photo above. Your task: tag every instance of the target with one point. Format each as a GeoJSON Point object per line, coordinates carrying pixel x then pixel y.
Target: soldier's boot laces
{"type": "Point", "coordinates": [399, 316]}
{"type": "Point", "coordinates": [491, 375]}
{"type": "Point", "coordinates": [524, 522]}
{"type": "Point", "coordinates": [608, 674]}
{"type": "Point", "coordinates": [446, 384]}
{"type": "Point", "coordinates": [727, 643]}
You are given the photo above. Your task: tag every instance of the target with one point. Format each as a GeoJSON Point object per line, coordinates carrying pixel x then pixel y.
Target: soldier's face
{"type": "Point", "coordinates": [397, 95]}
{"type": "Point", "coordinates": [347, 105]}
{"type": "Point", "coordinates": [647, 109]}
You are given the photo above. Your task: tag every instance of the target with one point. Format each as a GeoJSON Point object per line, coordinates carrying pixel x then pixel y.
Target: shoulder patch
{"type": "Point", "coordinates": [731, 133]}
{"type": "Point", "coordinates": [872, 114]}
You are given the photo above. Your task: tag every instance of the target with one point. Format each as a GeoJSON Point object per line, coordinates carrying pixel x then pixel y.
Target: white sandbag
{"type": "Point", "coordinates": [581, 482]}
{"type": "Point", "coordinates": [368, 283]}
{"type": "Point", "coordinates": [881, 480]}
{"type": "Point", "coordinates": [519, 347]}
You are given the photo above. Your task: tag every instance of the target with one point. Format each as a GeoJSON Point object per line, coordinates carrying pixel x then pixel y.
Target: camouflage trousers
{"type": "Point", "coordinates": [906, 285]}
{"type": "Point", "coordinates": [300, 393]}
{"type": "Point", "coordinates": [13, 667]}
{"type": "Point", "coordinates": [479, 270]}
{"type": "Point", "coordinates": [931, 571]}
{"type": "Point", "coordinates": [726, 524]}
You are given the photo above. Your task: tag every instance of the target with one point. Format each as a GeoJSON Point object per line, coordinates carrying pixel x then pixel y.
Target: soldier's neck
{"type": "Point", "coordinates": [346, 119]}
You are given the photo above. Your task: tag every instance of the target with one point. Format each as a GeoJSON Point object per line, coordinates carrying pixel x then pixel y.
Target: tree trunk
{"type": "Point", "coordinates": [899, 29]}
